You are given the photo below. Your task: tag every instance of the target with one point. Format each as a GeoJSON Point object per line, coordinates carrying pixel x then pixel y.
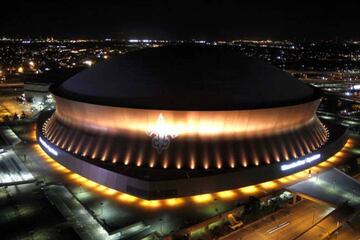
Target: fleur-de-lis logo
{"type": "Point", "coordinates": [161, 134]}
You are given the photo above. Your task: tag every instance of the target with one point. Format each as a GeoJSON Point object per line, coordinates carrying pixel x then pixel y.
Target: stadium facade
{"type": "Point", "coordinates": [186, 120]}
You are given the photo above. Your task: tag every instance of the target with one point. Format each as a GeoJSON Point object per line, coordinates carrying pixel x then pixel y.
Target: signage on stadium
{"type": "Point", "coordinates": [49, 148]}
{"type": "Point", "coordinates": [301, 162]}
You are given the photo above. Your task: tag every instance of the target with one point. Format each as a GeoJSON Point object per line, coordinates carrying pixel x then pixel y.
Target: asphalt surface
{"type": "Point", "coordinates": [286, 224]}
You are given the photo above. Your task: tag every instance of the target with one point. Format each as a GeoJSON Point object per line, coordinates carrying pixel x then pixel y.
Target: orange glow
{"type": "Point", "coordinates": [232, 162]}
{"type": "Point", "coordinates": [127, 158]}
{"type": "Point", "coordinates": [339, 154]}
{"type": "Point", "coordinates": [127, 198]}
{"type": "Point", "coordinates": [248, 190]}
{"type": "Point", "coordinates": [349, 144]}
{"type": "Point", "coordinates": [192, 162]}
{"type": "Point", "coordinates": [185, 123]}
{"type": "Point", "coordinates": [226, 194]}
{"type": "Point", "coordinates": [90, 184]}
{"type": "Point", "coordinates": [284, 180]}
{"type": "Point", "coordinates": [174, 202]}
{"type": "Point", "coordinates": [166, 160]}
{"type": "Point", "coordinates": [94, 148]}
{"type": "Point", "coordinates": [204, 198]}
{"type": "Point", "coordinates": [218, 160]}
{"type": "Point", "coordinates": [150, 203]}
{"type": "Point", "coordinates": [206, 165]}
{"type": "Point", "coordinates": [110, 191]}
{"type": "Point", "coordinates": [268, 185]}
{"type": "Point", "coordinates": [229, 195]}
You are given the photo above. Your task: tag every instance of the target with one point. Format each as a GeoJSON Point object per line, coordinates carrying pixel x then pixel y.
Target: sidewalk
{"type": "Point", "coordinates": [329, 224]}
{"type": "Point", "coordinates": [83, 222]}
{"type": "Point", "coordinates": [12, 169]}
{"type": "Point", "coordinates": [284, 224]}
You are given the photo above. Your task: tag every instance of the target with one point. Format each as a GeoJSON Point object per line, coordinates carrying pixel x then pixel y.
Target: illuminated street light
{"type": "Point", "coordinates": [88, 63]}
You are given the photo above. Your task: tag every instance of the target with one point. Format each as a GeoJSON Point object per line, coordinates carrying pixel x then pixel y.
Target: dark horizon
{"type": "Point", "coordinates": [208, 20]}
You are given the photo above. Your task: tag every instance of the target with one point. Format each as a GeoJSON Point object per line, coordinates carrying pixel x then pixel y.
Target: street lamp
{"type": "Point", "coordinates": [101, 208]}
{"type": "Point", "coordinates": [161, 230]}
{"type": "Point", "coordinates": [215, 205]}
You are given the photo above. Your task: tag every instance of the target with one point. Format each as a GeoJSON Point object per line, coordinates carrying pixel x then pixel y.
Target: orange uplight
{"type": "Point", "coordinates": [333, 159]}
{"type": "Point", "coordinates": [268, 185]}
{"type": "Point", "coordinates": [324, 164]}
{"type": "Point", "coordinates": [204, 198]}
{"type": "Point", "coordinates": [101, 188]}
{"type": "Point", "coordinates": [90, 184]}
{"type": "Point", "coordinates": [184, 123]}
{"type": "Point", "coordinates": [110, 191]}
{"type": "Point", "coordinates": [150, 203]}
{"type": "Point", "coordinates": [284, 180]}
{"type": "Point", "coordinates": [349, 144]}
{"type": "Point", "coordinates": [229, 195]}
{"type": "Point", "coordinates": [249, 190]}
{"type": "Point", "coordinates": [174, 201]}
{"type": "Point", "coordinates": [127, 198]}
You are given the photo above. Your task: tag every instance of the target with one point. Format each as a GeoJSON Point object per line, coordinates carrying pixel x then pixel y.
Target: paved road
{"type": "Point", "coordinates": [329, 224]}
{"type": "Point", "coordinates": [9, 106]}
{"type": "Point", "coordinates": [84, 223]}
{"type": "Point", "coordinates": [12, 170]}
{"type": "Point", "coordinates": [8, 136]}
{"type": "Point", "coordinates": [289, 223]}
{"type": "Point", "coordinates": [350, 230]}
{"type": "Point", "coordinates": [333, 187]}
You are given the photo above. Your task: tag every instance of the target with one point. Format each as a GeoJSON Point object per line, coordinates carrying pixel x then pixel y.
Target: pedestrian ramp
{"type": "Point", "coordinates": [333, 187]}
{"type": "Point", "coordinates": [8, 137]}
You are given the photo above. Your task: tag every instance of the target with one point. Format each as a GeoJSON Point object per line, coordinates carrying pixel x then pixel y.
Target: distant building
{"type": "Point", "coordinates": [37, 92]}
{"type": "Point", "coordinates": [36, 87]}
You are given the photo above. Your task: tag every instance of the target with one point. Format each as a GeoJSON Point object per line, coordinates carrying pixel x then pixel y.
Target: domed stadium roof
{"type": "Point", "coordinates": [186, 77]}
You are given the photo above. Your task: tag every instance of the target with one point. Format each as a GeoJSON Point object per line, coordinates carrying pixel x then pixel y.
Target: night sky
{"type": "Point", "coordinates": [181, 20]}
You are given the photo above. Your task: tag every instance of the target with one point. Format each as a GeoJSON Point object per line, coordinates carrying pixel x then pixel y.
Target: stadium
{"type": "Point", "coordinates": [185, 120]}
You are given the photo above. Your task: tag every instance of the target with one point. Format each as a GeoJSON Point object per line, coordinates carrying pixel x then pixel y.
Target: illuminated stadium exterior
{"type": "Point", "coordinates": [186, 120]}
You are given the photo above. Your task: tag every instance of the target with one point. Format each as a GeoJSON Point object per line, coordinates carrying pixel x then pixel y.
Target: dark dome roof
{"type": "Point", "coordinates": [186, 78]}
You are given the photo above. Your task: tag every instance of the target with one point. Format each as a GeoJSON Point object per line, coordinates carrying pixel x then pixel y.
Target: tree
{"type": "Point", "coordinates": [253, 204]}
{"type": "Point", "coordinates": [6, 119]}
{"type": "Point", "coordinates": [23, 115]}
{"type": "Point", "coordinates": [15, 117]}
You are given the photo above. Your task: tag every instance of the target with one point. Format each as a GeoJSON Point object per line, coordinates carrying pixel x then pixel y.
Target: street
{"type": "Point", "coordinates": [285, 224]}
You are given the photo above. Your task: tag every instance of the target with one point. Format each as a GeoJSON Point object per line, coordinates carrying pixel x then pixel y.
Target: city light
{"type": "Point", "coordinates": [88, 63]}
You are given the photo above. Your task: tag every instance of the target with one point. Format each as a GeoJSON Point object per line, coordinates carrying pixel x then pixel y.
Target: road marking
{"type": "Point", "coordinates": [278, 227]}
